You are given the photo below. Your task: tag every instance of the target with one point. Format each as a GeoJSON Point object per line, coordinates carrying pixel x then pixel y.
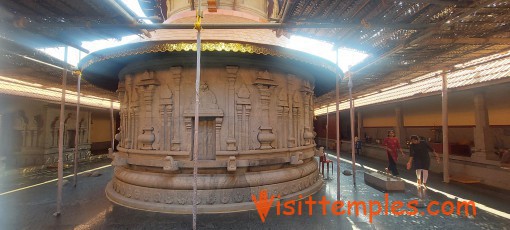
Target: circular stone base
{"type": "Point", "coordinates": [215, 201]}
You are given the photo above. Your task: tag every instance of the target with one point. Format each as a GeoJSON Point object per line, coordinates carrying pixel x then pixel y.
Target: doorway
{"type": "Point", "coordinates": [206, 138]}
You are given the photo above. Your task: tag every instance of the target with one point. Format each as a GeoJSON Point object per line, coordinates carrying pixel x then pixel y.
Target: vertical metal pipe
{"type": "Point", "coordinates": [77, 133]}
{"type": "Point", "coordinates": [337, 99]}
{"type": "Point", "coordinates": [195, 137]}
{"type": "Point", "coordinates": [60, 167]}
{"type": "Point", "coordinates": [353, 151]}
{"type": "Point", "coordinates": [112, 121]}
{"type": "Point", "coordinates": [359, 124]}
{"type": "Point", "coordinates": [444, 114]}
{"type": "Point", "coordinates": [327, 125]}
{"type": "Point", "coordinates": [1, 143]}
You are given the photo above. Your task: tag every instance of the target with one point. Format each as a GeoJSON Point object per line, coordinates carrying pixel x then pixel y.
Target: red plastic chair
{"type": "Point", "coordinates": [323, 160]}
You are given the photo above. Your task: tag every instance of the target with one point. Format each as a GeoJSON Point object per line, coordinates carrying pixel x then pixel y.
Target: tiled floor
{"type": "Point", "coordinates": [86, 207]}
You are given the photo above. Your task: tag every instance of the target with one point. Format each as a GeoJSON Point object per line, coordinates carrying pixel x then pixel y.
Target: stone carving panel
{"type": "Point", "coordinates": [156, 133]}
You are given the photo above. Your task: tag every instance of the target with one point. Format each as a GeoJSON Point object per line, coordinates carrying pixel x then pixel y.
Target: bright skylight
{"type": "Point", "coordinates": [92, 46]}
{"type": "Point", "coordinates": [96, 45]}
{"type": "Point", "coordinates": [135, 7]}
{"type": "Point", "coordinates": [346, 57]}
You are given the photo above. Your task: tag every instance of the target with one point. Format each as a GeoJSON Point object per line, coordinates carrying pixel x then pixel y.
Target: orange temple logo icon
{"type": "Point", "coordinates": [263, 204]}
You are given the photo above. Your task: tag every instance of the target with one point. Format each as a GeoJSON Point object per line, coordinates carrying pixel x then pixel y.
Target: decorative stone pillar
{"type": "Point", "coordinates": [54, 132]}
{"type": "Point", "coordinates": [282, 114]}
{"type": "Point", "coordinates": [296, 119]}
{"type": "Point", "coordinates": [81, 134]}
{"type": "Point", "coordinates": [36, 128]}
{"type": "Point", "coordinates": [165, 102]}
{"type": "Point", "coordinates": [148, 85]}
{"type": "Point", "coordinates": [265, 85]}
{"type": "Point", "coordinates": [311, 117]}
{"type": "Point", "coordinates": [130, 112]}
{"type": "Point", "coordinates": [121, 93]}
{"type": "Point", "coordinates": [291, 141]}
{"type": "Point", "coordinates": [24, 137]}
{"type": "Point", "coordinates": [483, 139]}
{"type": "Point", "coordinates": [231, 79]}
{"type": "Point", "coordinates": [134, 104]}
{"type": "Point", "coordinates": [21, 124]}
{"type": "Point", "coordinates": [243, 109]}
{"type": "Point", "coordinates": [308, 134]}
{"type": "Point", "coordinates": [176, 139]}
{"type": "Point", "coordinates": [136, 121]}
{"type": "Point", "coordinates": [217, 126]}
{"type": "Point", "coordinates": [86, 131]}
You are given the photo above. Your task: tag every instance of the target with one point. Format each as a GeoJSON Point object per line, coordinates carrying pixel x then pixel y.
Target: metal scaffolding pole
{"type": "Point", "coordinates": [197, 101]}
{"type": "Point", "coordinates": [112, 121]}
{"type": "Point", "coordinates": [444, 114]}
{"type": "Point", "coordinates": [353, 151]}
{"type": "Point", "coordinates": [327, 125]}
{"type": "Point", "coordinates": [359, 124]}
{"type": "Point", "coordinates": [60, 167]}
{"type": "Point", "coordinates": [337, 99]}
{"type": "Point", "coordinates": [77, 133]}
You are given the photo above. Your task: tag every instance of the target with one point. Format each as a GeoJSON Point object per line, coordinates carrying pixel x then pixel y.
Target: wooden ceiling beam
{"type": "Point", "coordinates": [18, 7]}
{"type": "Point", "coordinates": [363, 5]}
{"type": "Point", "coordinates": [440, 2]}
{"type": "Point", "coordinates": [323, 6]}
{"type": "Point", "coordinates": [289, 7]}
{"type": "Point", "coordinates": [423, 35]}
{"type": "Point", "coordinates": [470, 41]}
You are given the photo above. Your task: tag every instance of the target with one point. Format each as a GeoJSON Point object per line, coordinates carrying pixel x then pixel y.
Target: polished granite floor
{"type": "Point", "coordinates": [86, 207]}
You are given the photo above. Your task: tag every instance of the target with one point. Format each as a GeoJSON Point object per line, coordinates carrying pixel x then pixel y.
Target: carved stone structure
{"type": "Point", "coordinates": [30, 132]}
{"type": "Point", "coordinates": [255, 120]}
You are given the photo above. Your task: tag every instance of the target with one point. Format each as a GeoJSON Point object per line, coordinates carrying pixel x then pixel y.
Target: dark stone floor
{"type": "Point", "coordinates": [86, 207]}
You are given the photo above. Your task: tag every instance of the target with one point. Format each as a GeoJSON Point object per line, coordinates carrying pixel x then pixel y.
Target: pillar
{"type": "Point", "coordinates": [1, 138]}
{"type": "Point", "coordinates": [444, 115]}
{"type": "Point", "coordinates": [291, 141]}
{"type": "Point", "coordinates": [360, 125]}
{"type": "Point", "coordinates": [148, 85]}
{"type": "Point", "coordinates": [231, 78]}
{"type": "Point", "coordinates": [176, 141]}
{"type": "Point", "coordinates": [265, 85]}
{"type": "Point", "coordinates": [308, 134]}
{"type": "Point", "coordinates": [484, 143]}
{"type": "Point", "coordinates": [400, 132]}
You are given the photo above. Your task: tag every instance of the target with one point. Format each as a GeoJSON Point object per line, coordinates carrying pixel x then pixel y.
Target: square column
{"type": "Point", "coordinates": [231, 79]}
{"type": "Point", "coordinates": [484, 143]}
{"type": "Point", "coordinates": [400, 132]}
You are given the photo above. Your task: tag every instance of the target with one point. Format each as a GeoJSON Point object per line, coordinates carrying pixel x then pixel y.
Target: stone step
{"type": "Point", "coordinates": [464, 179]}
{"type": "Point", "coordinates": [385, 182]}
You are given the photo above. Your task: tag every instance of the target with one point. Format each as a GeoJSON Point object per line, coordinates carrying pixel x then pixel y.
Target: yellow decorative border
{"type": "Point", "coordinates": [207, 47]}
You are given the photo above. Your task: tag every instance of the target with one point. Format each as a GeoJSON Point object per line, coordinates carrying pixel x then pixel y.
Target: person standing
{"type": "Point", "coordinates": [357, 145]}
{"type": "Point", "coordinates": [392, 144]}
{"type": "Point", "coordinates": [419, 159]}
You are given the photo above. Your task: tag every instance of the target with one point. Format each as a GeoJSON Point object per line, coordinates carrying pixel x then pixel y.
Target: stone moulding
{"type": "Point", "coordinates": [208, 46]}
{"type": "Point", "coordinates": [277, 156]}
{"type": "Point", "coordinates": [221, 181]}
{"type": "Point", "coordinates": [219, 153]}
{"type": "Point", "coordinates": [209, 201]}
